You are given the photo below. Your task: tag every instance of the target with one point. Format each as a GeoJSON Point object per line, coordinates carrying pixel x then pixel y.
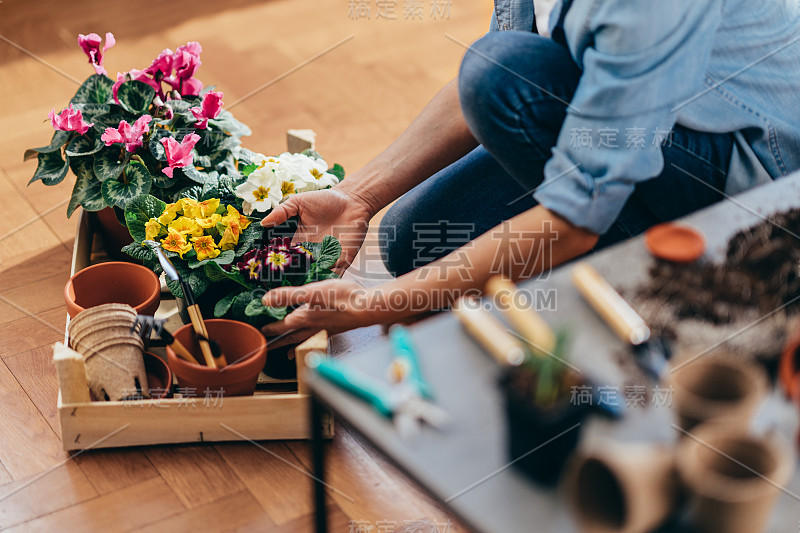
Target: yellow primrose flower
{"type": "Point", "coordinates": [186, 226]}
{"type": "Point", "coordinates": [243, 220]}
{"type": "Point", "coordinates": [230, 238]}
{"type": "Point", "coordinates": [202, 209]}
{"type": "Point", "coordinates": [210, 222]}
{"type": "Point", "coordinates": [151, 229]}
{"type": "Point", "coordinates": [175, 242]}
{"type": "Point", "coordinates": [205, 247]}
{"type": "Point", "coordinates": [168, 215]}
{"type": "Point", "coordinates": [232, 225]}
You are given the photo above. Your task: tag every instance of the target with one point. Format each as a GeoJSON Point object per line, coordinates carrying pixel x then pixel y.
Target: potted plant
{"type": "Point", "coordinates": [155, 131]}
{"type": "Point", "coordinates": [543, 417]}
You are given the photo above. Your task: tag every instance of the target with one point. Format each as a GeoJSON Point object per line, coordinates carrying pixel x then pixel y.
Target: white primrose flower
{"type": "Point", "coordinates": [261, 191]}
{"type": "Point", "coordinates": [304, 172]}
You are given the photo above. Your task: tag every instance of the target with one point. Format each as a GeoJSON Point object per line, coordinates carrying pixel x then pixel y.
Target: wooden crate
{"type": "Point", "coordinates": [278, 410]}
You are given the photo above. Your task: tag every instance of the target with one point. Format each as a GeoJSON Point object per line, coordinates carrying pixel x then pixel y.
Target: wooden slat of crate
{"type": "Point", "coordinates": [267, 415]}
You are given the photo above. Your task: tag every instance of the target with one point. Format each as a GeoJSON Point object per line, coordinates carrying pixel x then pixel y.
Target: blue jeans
{"type": "Point", "coordinates": [514, 87]}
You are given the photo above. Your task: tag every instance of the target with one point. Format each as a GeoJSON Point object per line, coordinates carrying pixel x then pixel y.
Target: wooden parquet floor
{"type": "Point", "coordinates": [358, 96]}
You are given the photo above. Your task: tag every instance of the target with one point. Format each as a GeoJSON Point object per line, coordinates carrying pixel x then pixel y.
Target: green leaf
{"type": "Point", "coordinates": [216, 273]}
{"type": "Point", "coordinates": [139, 251]}
{"type": "Point", "coordinates": [83, 145]}
{"type": "Point", "coordinates": [179, 106]}
{"type": "Point", "coordinates": [156, 148]}
{"type": "Point", "coordinates": [59, 139]}
{"type": "Point", "coordinates": [228, 124]}
{"type": "Point", "coordinates": [224, 305]}
{"type": "Point", "coordinates": [89, 111]}
{"type": "Point", "coordinates": [211, 160]}
{"type": "Point", "coordinates": [224, 258]}
{"type": "Point", "coordinates": [86, 191]}
{"type": "Point", "coordinates": [52, 168]}
{"type": "Point", "coordinates": [193, 174]}
{"type": "Point", "coordinates": [337, 170]}
{"type": "Point", "coordinates": [257, 308]}
{"type": "Point", "coordinates": [329, 252]}
{"type": "Point", "coordinates": [247, 170]}
{"type": "Point", "coordinates": [193, 191]}
{"type": "Point", "coordinates": [111, 119]}
{"type": "Point", "coordinates": [136, 182]}
{"type": "Point", "coordinates": [308, 152]}
{"type": "Point", "coordinates": [139, 211]}
{"type": "Point", "coordinates": [95, 90]}
{"type": "Point", "coordinates": [135, 96]}
{"type": "Point", "coordinates": [318, 274]}
{"type": "Point", "coordinates": [248, 239]}
{"type": "Point", "coordinates": [110, 161]}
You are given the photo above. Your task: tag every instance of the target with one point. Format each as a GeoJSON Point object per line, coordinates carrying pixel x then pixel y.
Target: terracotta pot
{"type": "Point", "coordinates": [790, 367]}
{"type": "Point", "coordinates": [726, 497]}
{"type": "Point", "coordinates": [623, 488]}
{"type": "Point", "coordinates": [114, 282]}
{"type": "Point", "coordinates": [717, 389]}
{"type": "Point", "coordinates": [114, 234]}
{"type": "Point", "coordinates": [159, 376]}
{"type": "Point", "coordinates": [244, 347]}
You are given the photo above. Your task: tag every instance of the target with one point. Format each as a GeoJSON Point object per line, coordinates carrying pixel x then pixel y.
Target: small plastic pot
{"type": "Point", "coordinates": [244, 347]}
{"type": "Point", "coordinates": [113, 282]}
{"type": "Point", "coordinates": [541, 440]}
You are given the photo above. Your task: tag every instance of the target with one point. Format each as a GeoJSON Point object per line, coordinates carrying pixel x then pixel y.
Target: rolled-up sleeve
{"type": "Point", "coordinates": [640, 62]}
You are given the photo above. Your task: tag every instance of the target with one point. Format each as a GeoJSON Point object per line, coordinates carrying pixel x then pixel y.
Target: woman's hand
{"type": "Point", "coordinates": [333, 305]}
{"type": "Point", "coordinates": [327, 212]}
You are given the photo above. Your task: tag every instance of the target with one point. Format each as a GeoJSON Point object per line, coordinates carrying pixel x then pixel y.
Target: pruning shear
{"type": "Point", "coordinates": [406, 402]}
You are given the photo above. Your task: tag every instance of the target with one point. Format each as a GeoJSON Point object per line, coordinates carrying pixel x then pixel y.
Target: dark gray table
{"type": "Point", "coordinates": [466, 467]}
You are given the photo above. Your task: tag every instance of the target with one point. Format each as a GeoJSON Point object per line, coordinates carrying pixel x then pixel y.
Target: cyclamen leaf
{"type": "Point", "coordinates": [156, 148]}
{"type": "Point", "coordinates": [89, 111]}
{"type": "Point", "coordinates": [137, 181]}
{"type": "Point", "coordinates": [58, 140]}
{"type": "Point", "coordinates": [86, 191]}
{"type": "Point", "coordinates": [52, 168]}
{"type": "Point", "coordinates": [135, 96]}
{"type": "Point", "coordinates": [109, 162]}
{"type": "Point", "coordinates": [179, 106]}
{"type": "Point", "coordinates": [83, 145]}
{"type": "Point", "coordinates": [139, 211]}
{"type": "Point", "coordinates": [193, 174]}
{"type": "Point", "coordinates": [95, 90]}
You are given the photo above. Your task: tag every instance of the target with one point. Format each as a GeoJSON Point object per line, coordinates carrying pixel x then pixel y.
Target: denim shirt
{"type": "Point", "coordinates": [709, 65]}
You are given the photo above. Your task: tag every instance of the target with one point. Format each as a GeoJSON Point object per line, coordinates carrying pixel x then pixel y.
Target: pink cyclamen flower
{"type": "Point", "coordinates": [69, 120]}
{"type": "Point", "coordinates": [162, 65]}
{"type": "Point", "coordinates": [130, 135]}
{"type": "Point", "coordinates": [209, 108]}
{"type": "Point", "coordinates": [179, 155]}
{"type": "Point", "coordinates": [185, 61]}
{"type": "Point", "coordinates": [90, 44]}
